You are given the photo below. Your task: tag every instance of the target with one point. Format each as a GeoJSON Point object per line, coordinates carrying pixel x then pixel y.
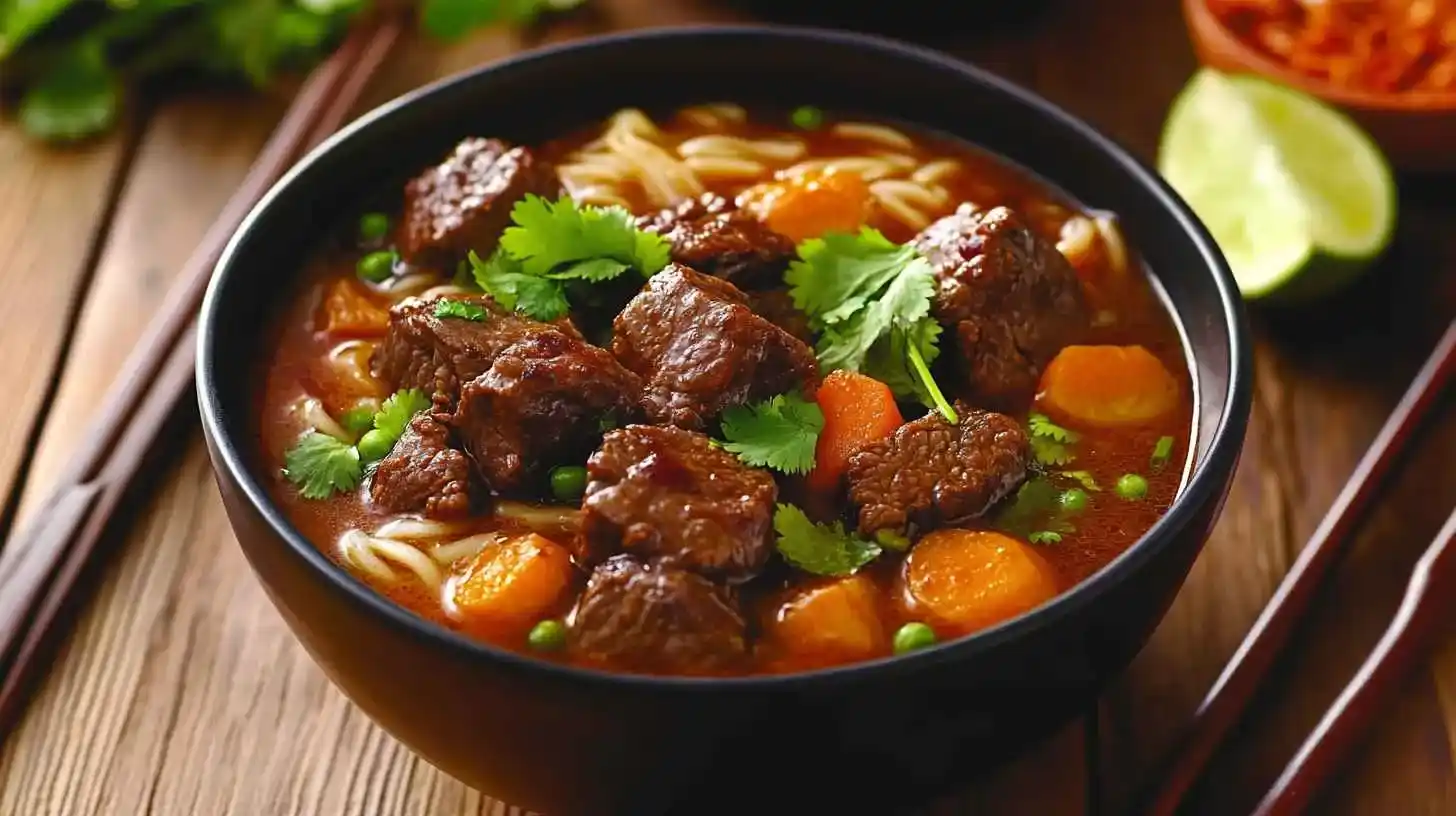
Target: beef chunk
{"type": "Point", "coordinates": [930, 472]}
{"type": "Point", "coordinates": [699, 347]}
{"type": "Point", "coordinates": [541, 404]}
{"type": "Point", "coordinates": [437, 354]}
{"type": "Point", "coordinates": [688, 210]}
{"type": "Point", "coordinates": [777, 307]}
{"type": "Point", "coordinates": [654, 617]}
{"type": "Point", "coordinates": [423, 473]}
{"type": "Point", "coordinates": [465, 202]}
{"type": "Point", "coordinates": [708, 235]}
{"type": "Point", "coordinates": [1011, 297]}
{"type": "Point", "coordinates": [669, 494]}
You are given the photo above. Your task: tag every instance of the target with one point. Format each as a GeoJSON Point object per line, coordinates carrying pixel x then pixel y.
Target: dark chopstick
{"type": "Point", "coordinates": [1231, 693]}
{"type": "Point", "coordinates": [1422, 613]}
{"type": "Point", "coordinates": [39, 568]}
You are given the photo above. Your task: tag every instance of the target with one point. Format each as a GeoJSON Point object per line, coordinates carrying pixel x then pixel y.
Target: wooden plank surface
{"type": "Point", "coordinates": [182, 692]}
{"type": "Point", "coordinates": [53, 205]}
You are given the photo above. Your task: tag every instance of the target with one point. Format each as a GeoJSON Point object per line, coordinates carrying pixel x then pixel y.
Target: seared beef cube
{"type": "Point", "coordinates": [930, 472]}
{"type": "Point", "coordinates": [542, 403]}
{"type": "Point", "coordinates": [688, 210]}
{"type": "Point", "coordinates": [437, 354]}
{"type": "Point", "coordinates": [1012, 298]}
{"type": "Point", "coordinates": [465, 203]}
{"type": "Point", "coordinates": [777, 307]}
{"type": "Point", "coordinates": [654, 617]}
{"type": "Point", "coordinates": [734, 246]}
{"type": "Point", "coordinates": [699, 348]}
{"type": "Point", "coordinates": [423, 473]}
{"type": "Point", "coordinates": [669, 494]}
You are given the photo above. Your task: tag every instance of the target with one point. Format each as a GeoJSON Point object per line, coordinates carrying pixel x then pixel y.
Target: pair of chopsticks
{"type": "Point", "coordinates": [1416, 621]}
{"type": "Point", "coordinates": [39, 568]}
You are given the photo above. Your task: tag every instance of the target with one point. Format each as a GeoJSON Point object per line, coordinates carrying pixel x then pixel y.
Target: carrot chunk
{"type": "Point", "coordinates": [1108, 386]}
{"type": "Point", "coordinates": [510, 585]}
{"type": "Point", "coordinates": [349, 312]}
{"type": "Point", "coordinates": [831, 623]}
{"type": "Point", "coordinates": [858, 411]}
{"type": "Point", "coordinates": [967, 580]}
{"type": "Point", "coordinates": [810, 204]}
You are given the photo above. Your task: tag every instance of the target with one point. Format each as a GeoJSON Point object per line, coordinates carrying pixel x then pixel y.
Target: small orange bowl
{"type": "Point", "coordinates": [1417, 131]}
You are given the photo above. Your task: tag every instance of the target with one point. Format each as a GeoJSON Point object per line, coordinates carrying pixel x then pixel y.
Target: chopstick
{"type": "Point", "coordinates": [40, 567]}
{"type": "Point", "coordinates": [1235, 687]}
{"type": "Point", "coordinates": [1422, 612]}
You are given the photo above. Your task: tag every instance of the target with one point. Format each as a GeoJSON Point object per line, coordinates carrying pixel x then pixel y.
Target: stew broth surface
{"type": "Point", "coordinates": [302, 361]}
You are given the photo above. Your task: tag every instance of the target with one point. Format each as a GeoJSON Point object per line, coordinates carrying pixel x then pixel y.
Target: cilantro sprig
{"type": "Point", "coordinates": [320, 465]}
{"type": "Point", "coordinates": [1051, 444]}
{"type": "Point", "coordinates": [553, 244]}
{"type": "Point", "coordinates": [779, 433]}
{"type": "Point", "coordinates": [71, 63]}
{"type": "Point", "coordinates": [869, 298]}
{"type": "Point", "coordinates": [459, 309]}
{"type": "Point", "coordinates": [820, 549]}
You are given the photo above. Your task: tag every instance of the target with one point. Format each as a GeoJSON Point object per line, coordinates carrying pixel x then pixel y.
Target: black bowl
{"type": "Point", "coordinates": [875, 735]}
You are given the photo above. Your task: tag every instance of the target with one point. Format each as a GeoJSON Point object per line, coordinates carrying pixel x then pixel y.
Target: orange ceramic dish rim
{"type": "Point", "coordinates": [1211, 35]}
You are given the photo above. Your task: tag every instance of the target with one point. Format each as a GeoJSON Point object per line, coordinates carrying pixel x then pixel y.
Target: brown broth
{"type": "Point", "coordinates": [296, 365]}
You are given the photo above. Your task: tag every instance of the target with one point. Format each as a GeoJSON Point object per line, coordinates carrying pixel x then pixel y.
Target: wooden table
{"type": "Point", "coordinates": [182, 692]}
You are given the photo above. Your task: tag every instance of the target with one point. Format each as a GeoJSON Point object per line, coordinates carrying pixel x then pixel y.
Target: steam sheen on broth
{"type": "Point", "coordinates": [1065, 375]}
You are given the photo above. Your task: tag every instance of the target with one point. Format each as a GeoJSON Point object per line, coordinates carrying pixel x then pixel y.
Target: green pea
{"type": "Point", "coordinates": [807, 118]}
{"type": "Point", "coordinates": [373, 227]}
{"type": "Point", "coordinates": [568, 482]}
{"type": "Point", "coordinates": [913, 636]}
{"type": "Point", "coordinates": [375, 445]}
{"type": "Point", "coordinates": [1074, 500]}
{"type": "Point", "coordinates": [376, 267]}
{"type": "Point", "coordinates": [547, 636]}
{"type": "Point", "coordinates": [1132, 487]}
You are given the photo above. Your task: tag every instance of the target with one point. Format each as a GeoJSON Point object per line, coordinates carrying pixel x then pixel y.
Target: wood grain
{"type": "Point", "coordinates": [182, 692]}
{"type": "Point", "coordinates": [52, 212]}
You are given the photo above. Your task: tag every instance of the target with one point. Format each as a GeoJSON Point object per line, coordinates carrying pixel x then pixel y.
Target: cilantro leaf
{"type": "Point", "coordinates": [780, 433]}
{"type": "Point", "coordinates": [820, 549]}
{"type": "Point", "coordinates": [450, 20]}
{"type": "Point", "coordinates": [321, 466]}
{"type": "Point", "coordinates": [1044, 537]}
{"type": "Point", "coordinates": [397, 411]}
{"type": "Point", "coordinates": [836, 275]}
{"type": "Point", "coordinates": [1162, 452]}
{"type": "Point", "coordinates": [445, 308]}
{"type": "Point", "coordinates": [1050, 442]}
{"type": "Point", "coordinates": [501, 278]}
{"type": "Point", "coordinates": [78, 97]}
{"type": "Point", "coordinates": [556, 237]}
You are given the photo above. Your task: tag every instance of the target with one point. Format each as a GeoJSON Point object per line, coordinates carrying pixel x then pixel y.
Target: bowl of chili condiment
{"type": "Point", "coordinates": [1389, 64]}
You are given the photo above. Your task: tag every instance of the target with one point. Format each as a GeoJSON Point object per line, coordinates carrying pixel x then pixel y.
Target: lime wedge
{"type": "Point", "coordinates": [1299, 199]}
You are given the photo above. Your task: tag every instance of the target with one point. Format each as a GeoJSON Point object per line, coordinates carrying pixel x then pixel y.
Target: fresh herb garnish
{"type": "Point", "coordinates": [551, 244]}
{"type": "Point", "coordinates": [780, 433]}
{"type": "Point", "coordinates": [321, 466]}
{"type": "Point", "coordinates": [358, 420]}
{"type": "Point", "coordinates": [870, 300]}
{"type": "Point", "coordinates": [445, 308]}
{"type": "Point", "coordinates": [820, 549]}
{"type": "Point", "coordinates": [1050, 442]}
{"type": "Point", "coordinates": [1036, 512]}
{"type": "Point", "coordinates": [1162, 452]}
{"type": "Point", "coordinates": [69, 61]}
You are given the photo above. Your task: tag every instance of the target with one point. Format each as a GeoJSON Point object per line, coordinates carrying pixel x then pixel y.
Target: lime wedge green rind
{"type": "Point", "coordinates": [1299, 199]}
